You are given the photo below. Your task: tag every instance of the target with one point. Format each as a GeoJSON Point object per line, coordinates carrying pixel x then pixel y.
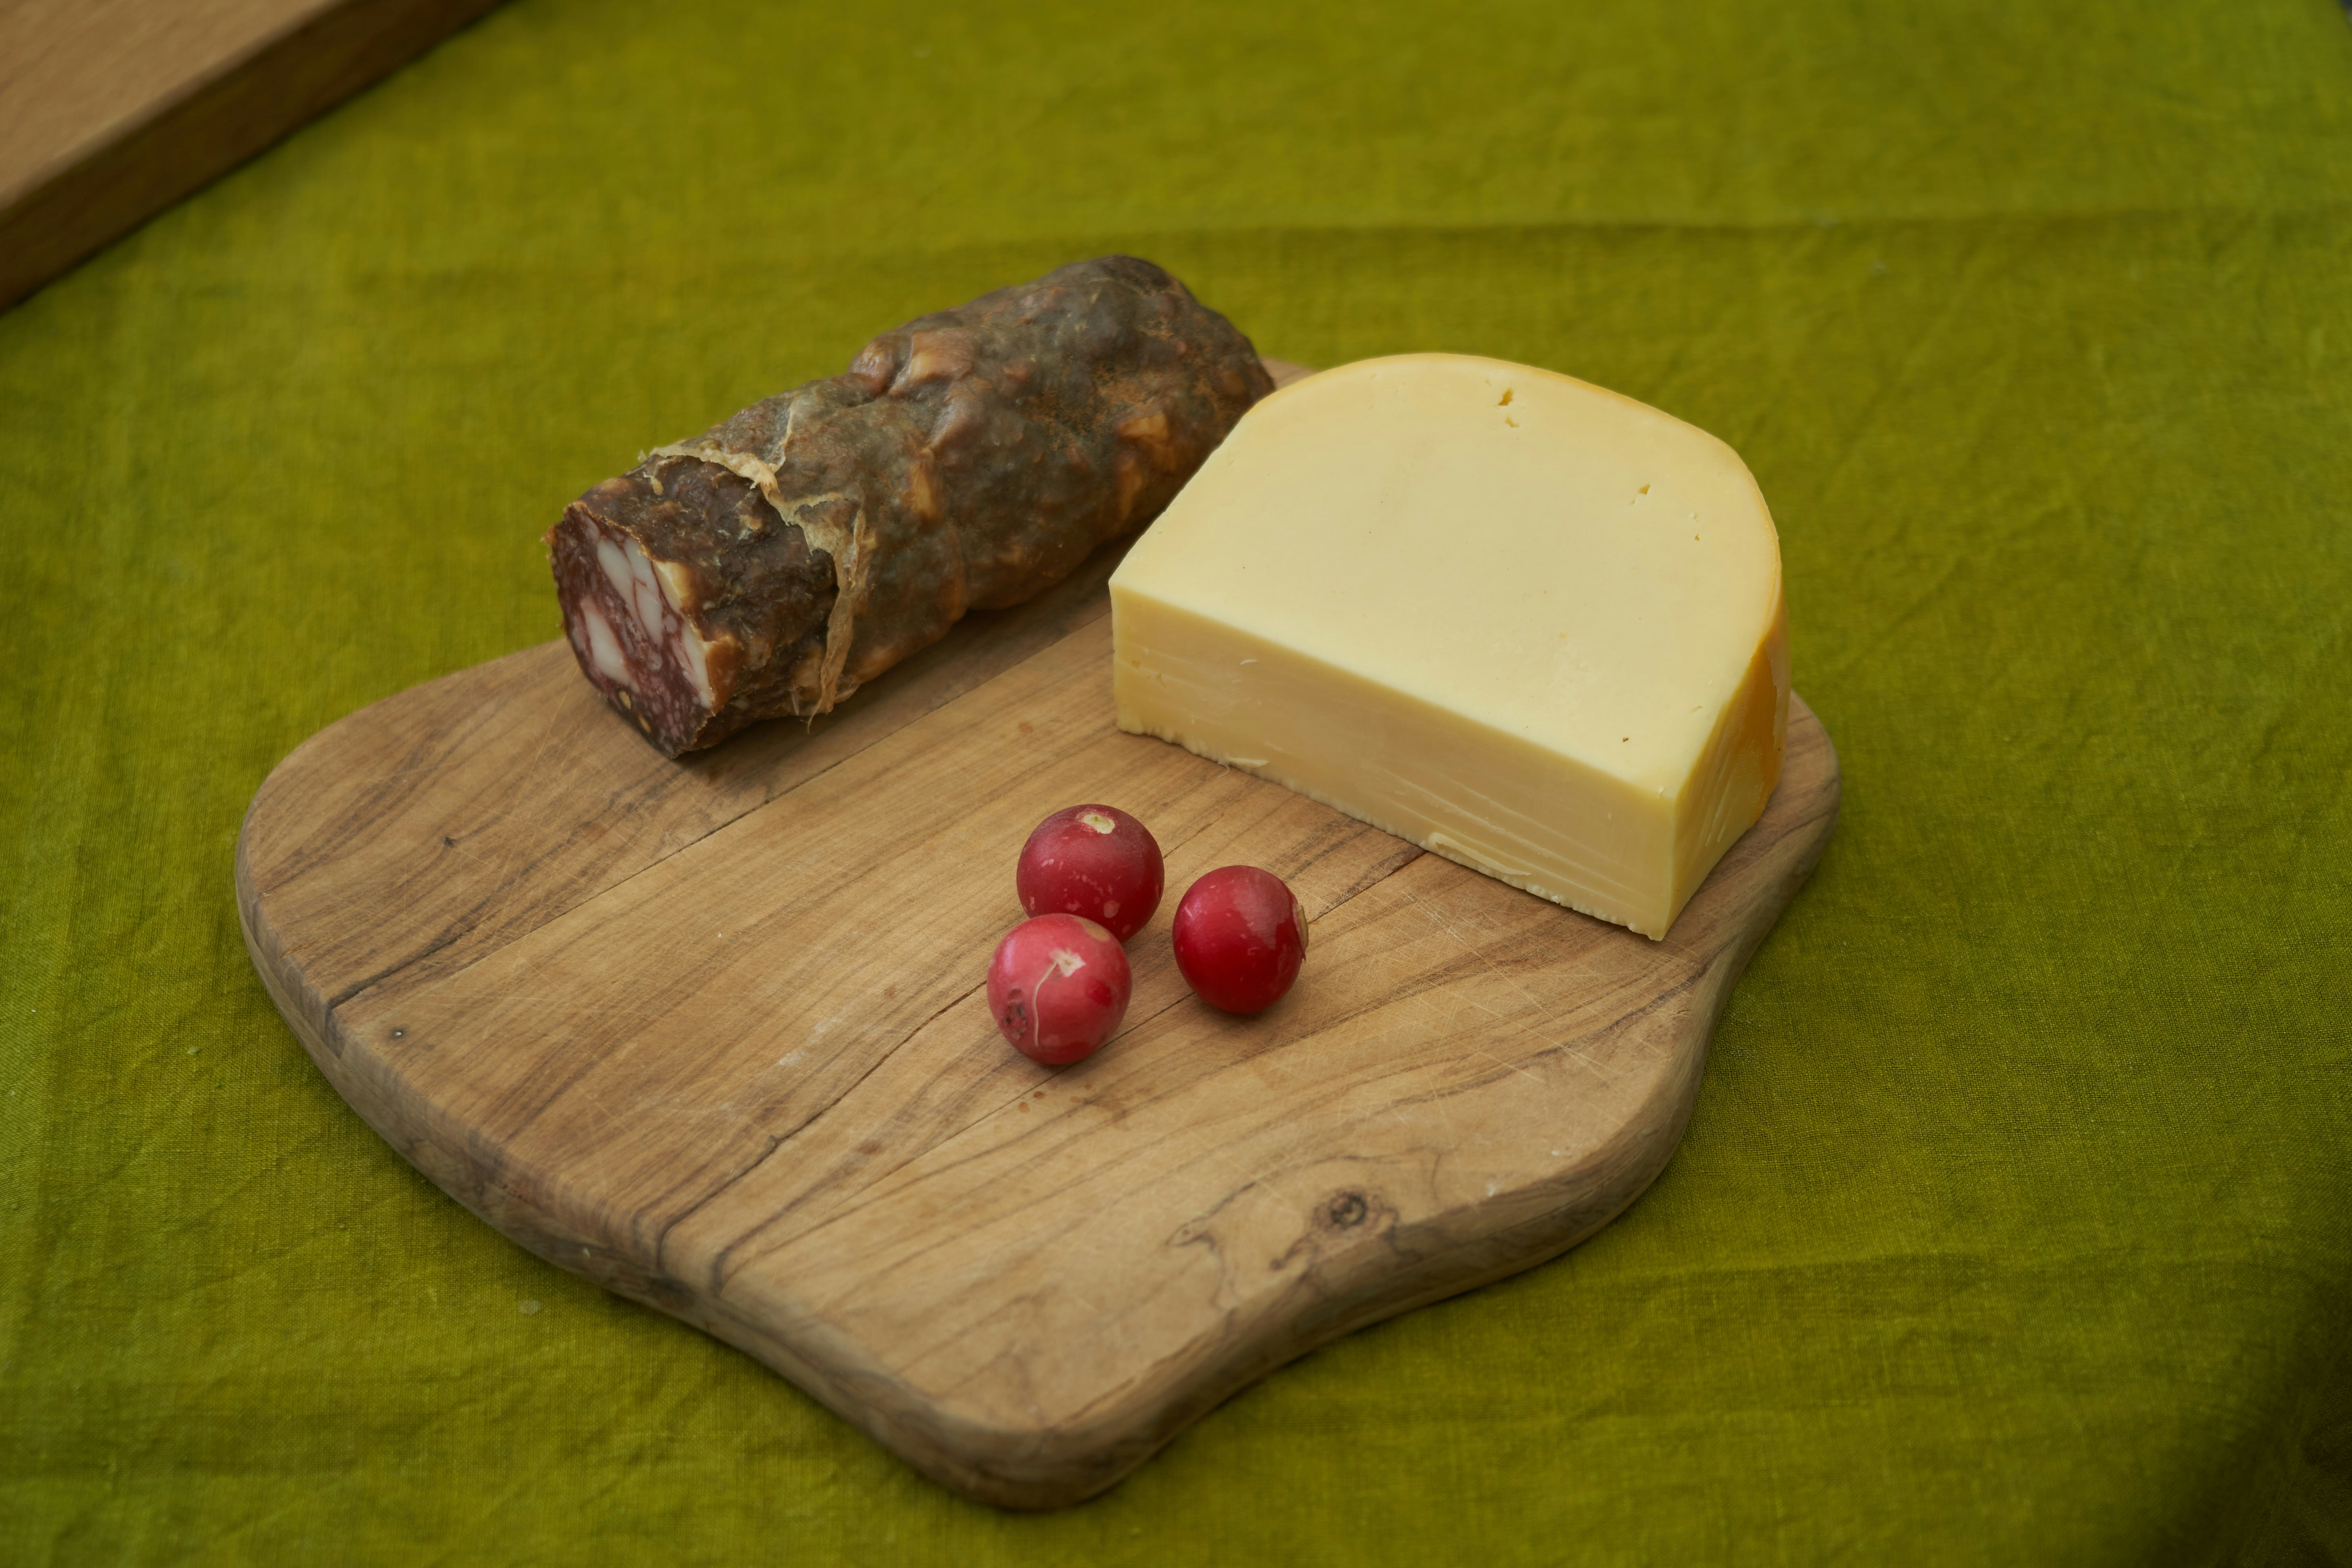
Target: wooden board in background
{"type": "Point", "coordinates": [110, 110]}
{"type": "Point", "coordinates": [713, 1034]}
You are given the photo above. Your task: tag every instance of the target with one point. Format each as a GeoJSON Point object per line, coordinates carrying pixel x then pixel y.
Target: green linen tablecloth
{"type": "Point", "coordinates": [2015, 1224]}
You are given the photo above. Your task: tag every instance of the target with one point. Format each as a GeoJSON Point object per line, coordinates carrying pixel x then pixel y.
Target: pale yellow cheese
{"type": "Point", "coordinates": [1519, 620]}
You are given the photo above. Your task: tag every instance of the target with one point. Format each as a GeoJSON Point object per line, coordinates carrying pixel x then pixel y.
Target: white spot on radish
{"type": "Point", "coordinates": [1066, 963]}
{"type": "Point", "coordinates": [1098, 821]}
{"type": "Point", "coordinates": [1110, 909]}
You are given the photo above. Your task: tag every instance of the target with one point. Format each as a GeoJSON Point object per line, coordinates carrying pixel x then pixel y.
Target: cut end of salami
{"type": "Point", "coordinates": [969, 459]}
{"type": "Point", "coordinates": [692, 608]}
{"type": "Point", "coordinates": [634, 638]}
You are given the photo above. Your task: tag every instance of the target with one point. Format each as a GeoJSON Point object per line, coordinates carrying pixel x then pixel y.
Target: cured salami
{"type": "Point", "coordinates": [967, 460]}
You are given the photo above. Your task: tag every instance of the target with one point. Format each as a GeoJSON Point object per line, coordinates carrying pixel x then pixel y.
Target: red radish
{"type": "Point", "coordinates": [1059, 987]}
{"type": "Point", "coordinates": [1240, 938]}
{"type": "Point", "coordinates": [1095, 861]}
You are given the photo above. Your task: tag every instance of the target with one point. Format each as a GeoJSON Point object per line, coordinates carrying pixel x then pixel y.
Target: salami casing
{"type": "Point", "coordinates": [967, 460]}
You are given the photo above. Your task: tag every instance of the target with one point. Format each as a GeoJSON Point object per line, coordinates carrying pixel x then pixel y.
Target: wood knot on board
{"type": "Point", "coordinates": [1339, 1221]}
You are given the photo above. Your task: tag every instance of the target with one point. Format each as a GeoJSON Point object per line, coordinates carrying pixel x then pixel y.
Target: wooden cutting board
{"type": "Point", "coordinates": [712, 1033]}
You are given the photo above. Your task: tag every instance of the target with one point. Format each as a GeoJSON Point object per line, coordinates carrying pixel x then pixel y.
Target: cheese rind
{"type": "Point", "coordinates": [1521, 621]}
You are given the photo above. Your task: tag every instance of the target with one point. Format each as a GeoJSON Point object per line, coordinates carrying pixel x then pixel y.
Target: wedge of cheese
{"type": "Point", "coordinates": [1525, 623]}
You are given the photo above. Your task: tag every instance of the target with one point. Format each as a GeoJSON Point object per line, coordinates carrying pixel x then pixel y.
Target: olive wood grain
{"type": "Point", "coordinates": [712, 1033]}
